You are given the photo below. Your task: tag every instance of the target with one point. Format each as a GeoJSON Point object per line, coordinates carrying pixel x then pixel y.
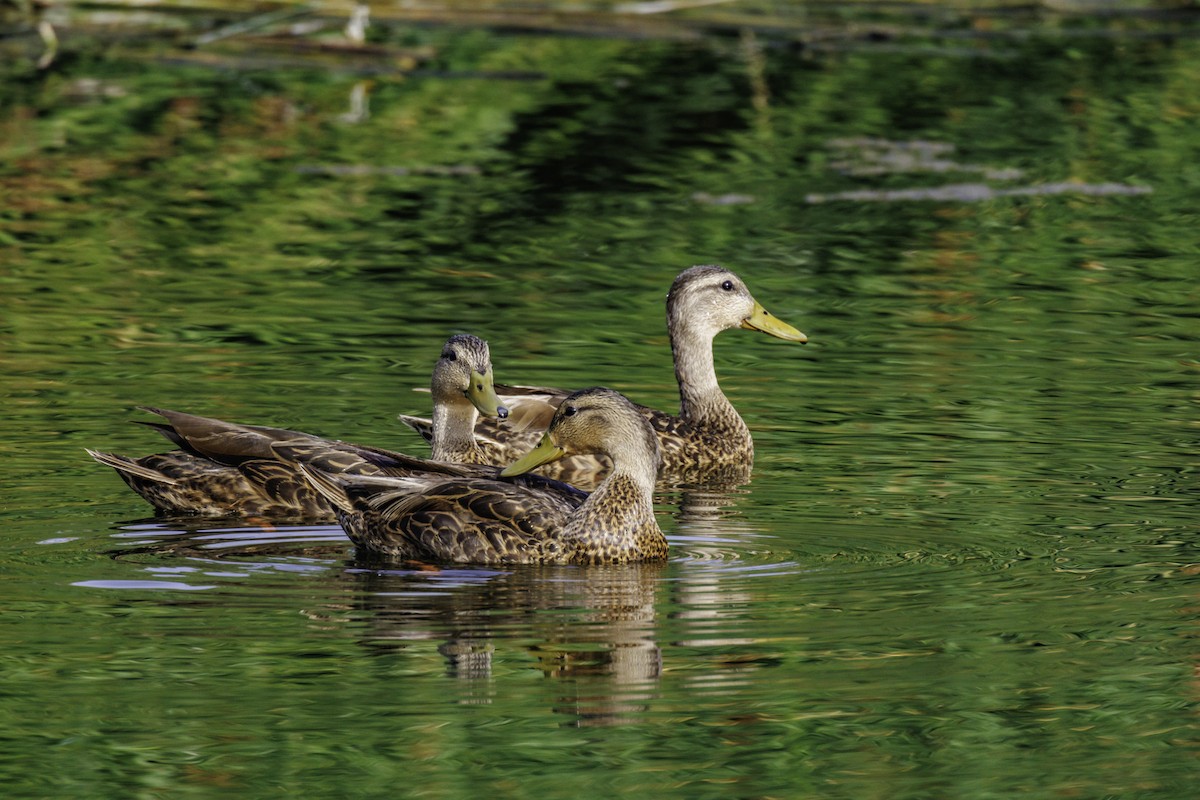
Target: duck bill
{"type": "Point", "coordinates": [544, 453]}
{"type": "Point", "coordinates": [761, 320]}
{"type": "Point", "coordinates": [482, 394]}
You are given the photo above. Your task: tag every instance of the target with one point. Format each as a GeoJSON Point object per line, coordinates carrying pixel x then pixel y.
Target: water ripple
{"type": "Point", "coordinates": [171, 586]}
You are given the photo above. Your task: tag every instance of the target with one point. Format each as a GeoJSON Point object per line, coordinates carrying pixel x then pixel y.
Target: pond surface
{"type": "Point", "coordinates": [965, 565]}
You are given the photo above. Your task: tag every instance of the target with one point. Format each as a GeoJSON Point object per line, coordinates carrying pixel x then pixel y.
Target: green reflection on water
{"type": "Point", "coordinates": [960, 569]}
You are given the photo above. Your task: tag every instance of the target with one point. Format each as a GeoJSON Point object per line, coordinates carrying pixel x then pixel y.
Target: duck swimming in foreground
{"type": "Point", "coordinates": [707, 436]}
{"type": "Point", "coordinates": [493, 521]}
{"type": "Point", "coordinates": [226, 469]}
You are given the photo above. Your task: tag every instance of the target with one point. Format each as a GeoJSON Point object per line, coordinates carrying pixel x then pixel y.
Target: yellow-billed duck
{"type": "Point", "coordinates": [227, 469]}
{"type": "Point", "coordinates": [707, 437]}
{"type": "Point", "coordinates": [428, 517]}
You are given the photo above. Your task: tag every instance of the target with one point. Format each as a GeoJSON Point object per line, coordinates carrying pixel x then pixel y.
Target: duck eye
{"type": "Point", "coordinates": [569, 411]}
{"type": "Point", "coordinates": [727, 286]}
{"type": "Point", "coordinates": [450, 355]}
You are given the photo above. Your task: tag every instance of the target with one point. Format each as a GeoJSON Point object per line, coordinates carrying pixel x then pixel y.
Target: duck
{"type": "Point", "coordinates": [707, 439]}
{"type": "Point", "coordinates": [227, 469]}
{"type": "Point", "coordinates": [426, 517]}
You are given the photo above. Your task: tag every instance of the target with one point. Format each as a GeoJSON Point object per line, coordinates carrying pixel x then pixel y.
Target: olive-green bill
{"type": "Point", "coordinates": [482, 394]}
{"type": "Point", "coordinates": [544, 453]}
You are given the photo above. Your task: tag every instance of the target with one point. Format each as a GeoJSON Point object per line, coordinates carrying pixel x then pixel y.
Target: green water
{"type": "Point", "coordinates": [965, 565]}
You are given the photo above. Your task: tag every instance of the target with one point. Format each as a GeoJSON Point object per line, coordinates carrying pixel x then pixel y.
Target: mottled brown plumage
{"type": "Point", "coordinates": [469, 520]}
{"type": "Point", "coordinates": [707, 439]}
{"type": "Point", "coordinates": [226, 469]}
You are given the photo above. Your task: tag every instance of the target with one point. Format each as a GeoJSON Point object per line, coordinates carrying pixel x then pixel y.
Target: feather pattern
{"type": "Point", "coordinates": [465, 519]}
{"type": "Point", "coordinates": [707, 441]}
{"type": "Point", "coordinates": [229, 469]}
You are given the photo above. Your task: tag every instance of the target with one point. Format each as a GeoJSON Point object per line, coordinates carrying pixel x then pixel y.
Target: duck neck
{"type": "Point", "coordinates": [454, 430]}
{"type": "Point", "coordinates": [616, 523]}
{"type": "Point", "coordinates": [700, 397]}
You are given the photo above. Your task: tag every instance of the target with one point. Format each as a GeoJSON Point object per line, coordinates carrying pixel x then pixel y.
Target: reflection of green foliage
{"type": "Point", "coordinates": [1000, 394]}
{"type": "Point", "coordinates": [597, 165]}
{"type": "Point", "coordinates": [603, 134]}
{"type": "Point", "coordinates": [644, 120]}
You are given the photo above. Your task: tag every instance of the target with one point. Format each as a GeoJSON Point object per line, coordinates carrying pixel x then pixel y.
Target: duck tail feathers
{"type": "Point", "coordinates": [128, 466]}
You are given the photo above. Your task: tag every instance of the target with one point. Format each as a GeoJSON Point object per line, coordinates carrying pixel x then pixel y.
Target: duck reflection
{"type": "Point", "coordinates": [592, 627]}
{"type": "Point", "coordinates": [711, 528]}
{"type": "Point", "coordinates": [708, 504]}
{"type": "Point", "coordinates": [597, 631]}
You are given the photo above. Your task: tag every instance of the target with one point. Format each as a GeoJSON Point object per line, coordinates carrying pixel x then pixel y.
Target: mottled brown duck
{"type": "Point", "coordinates": [227, 469]}
{"type": "Point", "coordinates": [706, 438]}
{"type": "Point", "coordinates": [431, 518]}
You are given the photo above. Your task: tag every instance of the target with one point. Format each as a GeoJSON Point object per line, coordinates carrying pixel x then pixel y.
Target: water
{"type": "Point", "coordinates": [964, 567]}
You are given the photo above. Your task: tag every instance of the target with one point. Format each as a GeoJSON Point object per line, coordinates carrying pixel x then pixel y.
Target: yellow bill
{"type": "Point", "coordinates": [544, 453]}
{"type": "Point", "coordinates": [761, 320]}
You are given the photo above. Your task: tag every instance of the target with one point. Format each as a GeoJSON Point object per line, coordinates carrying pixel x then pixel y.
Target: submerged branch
{"type": "Point", "coordinates": [257, 22]}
